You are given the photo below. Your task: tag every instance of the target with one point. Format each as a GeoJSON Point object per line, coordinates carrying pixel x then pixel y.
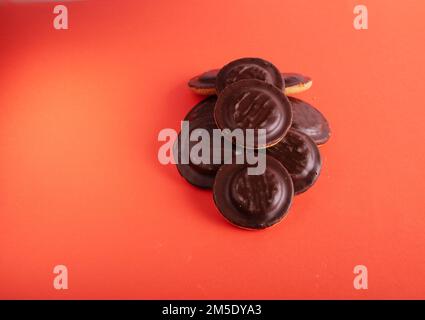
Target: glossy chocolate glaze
{"type": "Point", "coordinates": [248, 68]}
{"type": "Point", "coordinates": [310, 121]}
{"type": "Point", "coordinates": [207, 80]}
{"type": "Point", "coordinates": [301, 157]}
{"type": "Point", "coordinates": [253, 201]}
{"type": "Point", "coordinates": [202, 112]}
{"type": "Point", "coordinates": [254, 104]}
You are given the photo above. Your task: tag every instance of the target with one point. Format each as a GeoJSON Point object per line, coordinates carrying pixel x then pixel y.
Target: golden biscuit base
{"type": "Point", "coordinates": [298, 88]}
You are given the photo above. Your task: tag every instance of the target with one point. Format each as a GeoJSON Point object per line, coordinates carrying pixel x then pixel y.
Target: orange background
{"type": "Point", "coordinates": [80, 183]}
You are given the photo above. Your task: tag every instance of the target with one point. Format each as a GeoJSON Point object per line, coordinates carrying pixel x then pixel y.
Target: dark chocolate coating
{"type": "Point", "coordinates": [207, 80]}
{"type": "Point", "coordinates": [253, 201]}
{"type": "Point", "coordinates": [200, 117]}
{"type": "Point", "coordinates": [248, 68]}
{"type": "Point", "coordinates": [301, 157]}
{"type": "Point", "coordinates": [202, 112]}
{"type": "Point", "coordinates": [307, 119]}
{"type": "Point", "coordinates": [254, 104]}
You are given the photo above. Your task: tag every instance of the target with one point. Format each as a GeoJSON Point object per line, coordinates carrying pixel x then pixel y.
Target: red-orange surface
{"type": "Point", "coordinates": [80, 183]}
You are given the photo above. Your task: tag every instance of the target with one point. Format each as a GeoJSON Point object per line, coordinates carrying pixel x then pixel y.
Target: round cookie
{"type": "Point", "coordinates": [203, 111]}
{"type": "Point", "coordinates": [202, 175]}
{"type": "Point", "coordinates": [301, 157]}
{"type": "Point", "coordinates": [253, 201]}
{"type": "Point", "coordinates": [254, 104]}
{"type": "Point", "coordinates": [310, 121]}
{"type": "Point", "coordinates": [248, 68]}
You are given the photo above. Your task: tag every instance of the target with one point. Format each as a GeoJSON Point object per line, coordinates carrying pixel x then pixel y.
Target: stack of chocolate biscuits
{"type": "Point", "coordinates": [251, 93]}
